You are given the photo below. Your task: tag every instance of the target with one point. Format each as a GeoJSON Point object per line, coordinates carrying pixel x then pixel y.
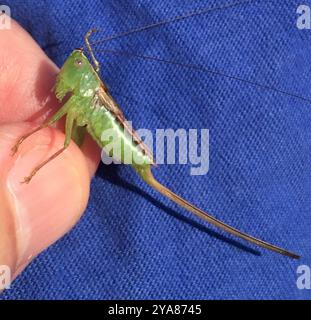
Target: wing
{"type": "Point", "coordinates": [106, 100]}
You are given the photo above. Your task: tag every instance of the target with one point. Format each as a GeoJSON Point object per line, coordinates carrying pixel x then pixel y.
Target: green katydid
{"type": "Point", "coordinates": [91, 108]}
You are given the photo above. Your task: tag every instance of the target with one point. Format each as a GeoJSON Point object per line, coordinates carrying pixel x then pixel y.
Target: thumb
{"type": "Point", "coordinates": [34, 215]}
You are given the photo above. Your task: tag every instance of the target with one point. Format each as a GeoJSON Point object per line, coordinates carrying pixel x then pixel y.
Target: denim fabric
{"type": "Point", "coordinates": [132, 243]}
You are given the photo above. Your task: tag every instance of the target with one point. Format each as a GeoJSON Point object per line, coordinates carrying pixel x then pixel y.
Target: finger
{"type": "Point", "coordinates": [35, 215]}
{"type": "Point", "coordinates": [27, 76]}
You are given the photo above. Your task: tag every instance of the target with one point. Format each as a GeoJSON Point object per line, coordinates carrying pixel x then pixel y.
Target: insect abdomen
{"type": "Point", "coordinates": [115, 139]}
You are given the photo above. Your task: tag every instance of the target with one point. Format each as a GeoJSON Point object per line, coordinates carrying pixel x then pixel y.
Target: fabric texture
{"type": "Point", "coordinates": [132, 243]}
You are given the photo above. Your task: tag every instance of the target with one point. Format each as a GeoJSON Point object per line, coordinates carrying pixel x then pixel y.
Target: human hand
{"type": "Point", "coordinates": [35, 215]}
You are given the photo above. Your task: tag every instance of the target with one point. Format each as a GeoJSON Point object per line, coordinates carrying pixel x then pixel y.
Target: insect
{"type": "Point", "coordinates": [90, 108]}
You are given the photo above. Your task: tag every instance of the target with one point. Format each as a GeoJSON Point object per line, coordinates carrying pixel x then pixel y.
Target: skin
{"type": "Point", "coordinates": [26, 79]}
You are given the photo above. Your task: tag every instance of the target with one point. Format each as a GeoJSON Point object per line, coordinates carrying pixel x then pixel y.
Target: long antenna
{"type": "Point", "coordinates": [206, 70]}
{"type": "Point", "coordinates": [171, 20]}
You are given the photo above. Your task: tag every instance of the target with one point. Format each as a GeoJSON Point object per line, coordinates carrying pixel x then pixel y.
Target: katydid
{"type": "Point", "coordinates": [91, 108]}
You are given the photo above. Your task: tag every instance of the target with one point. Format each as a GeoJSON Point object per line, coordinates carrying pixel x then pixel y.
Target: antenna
{"type": "Point", "coordinates": [88, 45]}
{"type": "Point", "coordinates": [199, 68]}
{"type": "Point", "coordinates": [171, 20]}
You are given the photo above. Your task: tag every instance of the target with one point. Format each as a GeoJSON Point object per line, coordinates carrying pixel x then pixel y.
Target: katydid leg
{"type": "Point", "coordinates": [59, 114]}
{"type": "Point", "coordinates": [14, 149]}
{"type": "Point", "coordinates": [68, 133]}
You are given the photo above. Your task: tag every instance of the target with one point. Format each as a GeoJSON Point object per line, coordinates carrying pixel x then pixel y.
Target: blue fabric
{"type": "Point", "coordinates": [131, 242]}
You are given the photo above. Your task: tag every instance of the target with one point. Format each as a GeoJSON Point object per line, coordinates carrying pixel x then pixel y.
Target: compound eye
{"type": "Point", "coordinates": [78, 62]}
